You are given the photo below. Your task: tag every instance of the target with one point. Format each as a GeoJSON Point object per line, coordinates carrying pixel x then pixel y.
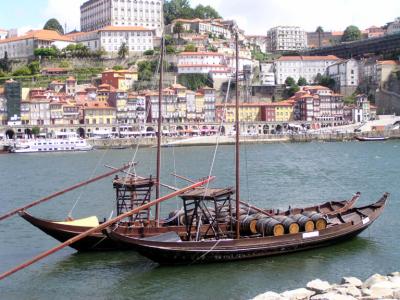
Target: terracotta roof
{"type": "Point", "coordinates": [124, 28]}
{"type": "Point", "coordinates": [43, 35]}
{"type": "Point", "coordinates": [178, 86]}
{"type": "Point", "coordinates": [308, 58]}
{"type": "Point", "coordinates": [201, 53]}
{"type": "Point", "coordinates": [201, 65]}
{"type": "Point", "coordinates": [388, 62]}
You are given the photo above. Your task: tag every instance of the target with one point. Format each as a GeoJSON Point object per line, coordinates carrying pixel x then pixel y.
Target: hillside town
{"type": "Point", "coordinates": [46, 83]}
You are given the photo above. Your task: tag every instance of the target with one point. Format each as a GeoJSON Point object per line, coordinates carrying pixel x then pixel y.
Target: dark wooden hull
{"type": "Point", "coordinates": [101, 242]}
{"type": "Point", "coordinates": [342, 227]}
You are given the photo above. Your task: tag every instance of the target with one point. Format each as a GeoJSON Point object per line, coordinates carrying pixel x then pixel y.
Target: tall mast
{"type": "Point", "coordinates": [237, 156]}
{"type": "Point", "coordinates": [159, 133]}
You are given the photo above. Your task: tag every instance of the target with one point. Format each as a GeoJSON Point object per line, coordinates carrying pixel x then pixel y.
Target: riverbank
{"type": "Point", "coordinates": [351, 288]}
{"type": "Point", "coordinates": [230, 140]}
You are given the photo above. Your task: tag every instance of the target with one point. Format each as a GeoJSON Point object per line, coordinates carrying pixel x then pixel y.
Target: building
{"type": "Point", "coordinates": [39, 112]}
{"type": "Point", "coordinates": [307, 67]}
{"type": "Point", "coordinates": [3, 109]}
{"type": "Point", "coordinates": [257, 42]}
{"type": "Point", "coordinates": [99, 113]}
{"type": "Point", "coordinates": [201, 62]}
{"type": "Point", "coordinates": [110, 39]}
{"type": "Point", "coordinates": [394, 27]}
{"type": "Point", "coordinates": [120, 80]}
{"type": "Point", "coordinates": [25, 45]}
{"type": "Point", "coordinates": [209, 104]}
{"type": "Point", "coordinates": [374, 32]}
{"type": "Point", "coordinates": [96, 14]}
{"type": "Point", "coordinates": [267, 74]}
{"type": "Point", "coordinates": [207, 27]}
{"type": "Point", "coordinates": [362, 109]}
{"type": "Point", "coordinates": [286, 38]}
{"type": "Point", "coordinates": [3, 34]}
{"type": "Point", "coordinates": [346, 75]}
{"type": "Point", "coordinates": [248, 112]}
{"type": "Point", "coordinates": [13, 95]}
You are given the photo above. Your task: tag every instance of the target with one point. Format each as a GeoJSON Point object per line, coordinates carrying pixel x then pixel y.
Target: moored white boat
{"type": "Point", "coordinates": [50, 145]}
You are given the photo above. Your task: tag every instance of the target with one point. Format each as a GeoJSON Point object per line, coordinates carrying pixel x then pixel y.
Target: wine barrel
{"type": "Point", "coordinates": [306, 224]}
{"type": "Point", "coordinates": [291, 226]}
{"type": "Point", "coordinates": [317, 218]}
{"type": "Point", "coordinates": [270, 226]}
{"type": "Point", "coordinates": [248, 225]}
{"type": "Point", "coordinates": [259, 216]}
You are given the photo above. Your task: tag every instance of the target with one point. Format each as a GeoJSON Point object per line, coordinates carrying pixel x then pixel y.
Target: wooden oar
{"type": "Point", "coordinates": [103, 226]}
{"type": "Point", "coordinates": [74, 187]}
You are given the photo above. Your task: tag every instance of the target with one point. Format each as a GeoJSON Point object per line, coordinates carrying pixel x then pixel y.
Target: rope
{"type": "Point", "coordinates": [83, 190]}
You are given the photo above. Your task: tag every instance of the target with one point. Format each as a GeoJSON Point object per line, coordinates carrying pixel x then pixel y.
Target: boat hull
{"type": "Point", "coordinates": [346, 226]}
{"type": "Point", "coordinates": [100, 241]}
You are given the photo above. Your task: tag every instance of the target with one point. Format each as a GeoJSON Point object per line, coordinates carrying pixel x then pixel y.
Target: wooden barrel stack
{"type": "Point", "coordinates": [306, 224]}
{"type": "Point", "coordinates": [290, 225]}
{"type": "Point", "coordinates": [269, 226]}
{"type": "Point", "coordinates": [317, 218]}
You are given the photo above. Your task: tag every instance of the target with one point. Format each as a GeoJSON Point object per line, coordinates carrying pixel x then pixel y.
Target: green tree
{"type": "Point", "coordinates": [53, 24]}
{"type": "Point", "coordinates": [170, 49]}
{"type": "Point", "coordinates": [123, 51]}
{"type": "Point", "coordinates": [148, 52]}
{"type": "Point", "coordinates": [206, 12]}
{"type": "Point", "coordinates": [293, 89]}
{"type": "Point", "coordinates": [5, 64]}
{"type": "Point", "coordinates": [118, 68]}
{"type": "Point", "coordinates": [176, 9]}
{"type": "Point", "coordinates": [178, 29]}
{"type": "Point", "coordinates": [302, 81]}
{"type": "Point", "coordinates": [352, 33]}
{"type": "Point", "coordinates": [290, 81]}
{"type": "Point", "coordinates": [319, 30]}
{"type": "Point", "coordinates": [325, 80]}
{"type": "Point", "coordinates": [35, 131]}
{"type": "Point", "coordinates": [194, 81]}
{"type": "Point", "coordinates": [190, 48]}
{"type": "Point", "coordinates": [23, 71]}
{"type": "Point", "coordinates": [34, 67]}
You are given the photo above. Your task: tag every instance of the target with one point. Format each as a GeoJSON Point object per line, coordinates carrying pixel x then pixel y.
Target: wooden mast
{"type": "Point", "coordinates": [159, 133]}
{"type": "Point", "coordinates": [103, 226]}
{"type": "Point", "coordinates": [237, 156]}
{"type": "Point", "coordinates": [59, 193]}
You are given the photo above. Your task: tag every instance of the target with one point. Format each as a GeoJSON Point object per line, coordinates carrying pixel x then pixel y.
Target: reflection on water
{"type": "Point", "coordinates": [272, 176]}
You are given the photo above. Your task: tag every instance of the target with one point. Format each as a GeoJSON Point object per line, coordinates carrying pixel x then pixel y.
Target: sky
{"type": "Point", "coordinates": [254, 16]}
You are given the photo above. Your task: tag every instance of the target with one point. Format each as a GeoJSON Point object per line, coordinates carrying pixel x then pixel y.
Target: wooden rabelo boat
{"type": "Point", "coordinates": [171, 249]}
{"type": "Point", "coordinates": [245, 236]}
{"type": "Point", "coordinates": [64, 230]}
{"type": "Point", "coordinates": [371, 138]}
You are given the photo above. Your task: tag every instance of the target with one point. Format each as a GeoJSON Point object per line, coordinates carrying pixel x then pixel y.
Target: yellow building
{"type": "Point", "coordinates": [99, 113]}
{"type": "Point", "coordinates": [248, 112]}
{"type": "Point", "coordinates": [120, 80]}
{"type": "Point", "coordinates": [283, 111]}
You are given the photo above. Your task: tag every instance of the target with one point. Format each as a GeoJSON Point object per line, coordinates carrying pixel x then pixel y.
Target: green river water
{"type": "Point", "coordinates": [276, 175]}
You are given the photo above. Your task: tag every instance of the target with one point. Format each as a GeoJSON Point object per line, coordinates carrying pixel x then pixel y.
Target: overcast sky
{"type": "Point", "coordinates": [254, 16]}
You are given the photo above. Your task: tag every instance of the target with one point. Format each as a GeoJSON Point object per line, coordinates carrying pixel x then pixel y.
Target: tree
{"type": "Point", "coordinates": [35, 131]}
{"type": "Point", "coordinates": [53, 24]}
{"type": "Point", "coordinates": [123, 51]}
{"type": "Point", "coordinates": [205, 12]}
{"type": "Point", "coordinates": [34, 67]}
{"type": "Point", "coordinates": [290, 81]}
{"type": "Point", "coordinates": [352, 33]}
{"type": "Point", "coordinates": [302, 81]}
{"type": "Point", "coordinates": [23, 71]}
{"type": "Point", "coordinates": [5, 63]}
{"type": "Point", "coordinates": [148, 52]}
{"type": "Point", "coordinates": [194, 81]}
{"type": "Point", "coordinates": [118, 68]}
{"type": "Point", "coordinates": [190, 48]}
{"type": "Point", "coordinates": [170, 49]}
{"type": "Point", "coordinates": [325, 80]}
{"type": "Point", "coordinates": [293, 90]}
{"type": "Point", "coordinates": [178, 29]}
{"type": "Point", "coordinates": [319, 30]}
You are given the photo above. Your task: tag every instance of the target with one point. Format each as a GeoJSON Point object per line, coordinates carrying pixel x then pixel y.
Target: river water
{"type": "Point", "coordinates": [274, 175]}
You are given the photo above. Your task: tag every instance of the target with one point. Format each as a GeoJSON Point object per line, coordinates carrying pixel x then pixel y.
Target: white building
{"type": "Point", "coordinates": [267, 75]}
{"type": "Point", "coordinates": [25, 45]}
{"type": "Point", "coordinates": [257, 41]}
{"type": "Point", "coordinates": [345, 74]}
{"type": "Point", "coordinates": [394, 27]}
{"type": "Point", "coordinates": [203, 27]}
{"type": "Point", "coordinates": [286, 38]}
{"type": "Point", "coordinates": [96, 14]}
{"type": "Point", "coordinates": [302, 66]}
{"type": "Point", "coordinates": [201, 62]}
{"type": "Point", "coordinates": [110, 38]}
{"type": "Point", "coordinates": [3, 34]}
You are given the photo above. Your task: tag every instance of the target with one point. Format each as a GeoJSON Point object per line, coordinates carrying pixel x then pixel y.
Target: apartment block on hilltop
{"type": "Point", "coordinates": [212, 27]}
{"type": "Point", "coordinates": [286, 38]}
{"type": "Point", "coordinates": [111, 38]}
{"type": "Point", "coordinates": [97, 14]}
{"type": "Point", "coordinates": [307, 67]}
